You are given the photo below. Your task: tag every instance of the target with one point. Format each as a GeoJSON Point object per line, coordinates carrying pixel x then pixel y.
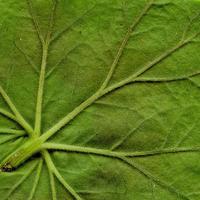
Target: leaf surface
{"type": "Point", "coordinates": [112, 90]}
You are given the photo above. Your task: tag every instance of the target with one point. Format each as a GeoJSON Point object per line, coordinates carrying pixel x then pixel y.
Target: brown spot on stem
{"type": "Point", "coordinates": [7, 167]}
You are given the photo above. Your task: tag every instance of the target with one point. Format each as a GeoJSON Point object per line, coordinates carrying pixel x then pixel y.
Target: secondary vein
{"type": "Point", "coordinates": [134, 77]}
{"type": "Point", "coordinates": [153, 178]}
{"type": "Point", "coordinates": [37, 178]}
{"type": "Point", "coordinates": [15, 186]}
{"type": "Point", "coordinates": [19, 118]}
{"type": "Point", "coordinates": [13, 131]}
{"type": "Point", "coordinates": [34, 20]}
{"type": "Point", "coordinates": [54, 170]}
{"type": "Point", "coordinates": [124, 44]}
{"type": "Point", "coordinates": [8, 114]}
{"type": "Point", "coordinates": [52, 182]}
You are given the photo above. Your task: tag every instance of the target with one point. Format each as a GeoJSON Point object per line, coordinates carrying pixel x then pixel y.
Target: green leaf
{"type": "Point", "coordinates": [99, 100]}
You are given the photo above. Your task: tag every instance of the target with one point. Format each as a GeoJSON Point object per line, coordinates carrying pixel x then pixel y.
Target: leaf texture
{"type": "Point", "coordinates": [110, 89]}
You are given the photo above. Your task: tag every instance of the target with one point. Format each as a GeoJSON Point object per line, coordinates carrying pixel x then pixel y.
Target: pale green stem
{"type": "Point", "coordinates": [23, 153]}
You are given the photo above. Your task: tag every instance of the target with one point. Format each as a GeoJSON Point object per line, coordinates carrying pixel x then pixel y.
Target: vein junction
{"type": "Point", "coordinates": [38, 142]}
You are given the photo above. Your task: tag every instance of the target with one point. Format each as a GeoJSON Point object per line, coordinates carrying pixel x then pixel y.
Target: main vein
{"type": "Point", "coordinates": [117, 154]}
{"type": "Point", "coordinates": [45, 48]}
{"type": "Point", "coordinates": [38, 114]}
